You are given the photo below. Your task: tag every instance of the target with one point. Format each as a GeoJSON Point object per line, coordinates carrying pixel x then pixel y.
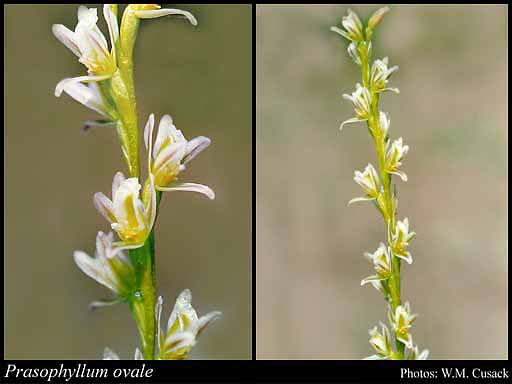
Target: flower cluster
{"type": "Point", "coordinates": [108, 89]}
{"type": "Point", "coordinates": [376, 185]}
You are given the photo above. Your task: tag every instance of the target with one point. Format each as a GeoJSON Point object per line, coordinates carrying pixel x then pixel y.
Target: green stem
{"type": "Point", "coordinates": [143, 301]}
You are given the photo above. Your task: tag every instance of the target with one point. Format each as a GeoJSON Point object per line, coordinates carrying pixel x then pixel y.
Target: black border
{"type": "Point", "coordinates": [265, 371]}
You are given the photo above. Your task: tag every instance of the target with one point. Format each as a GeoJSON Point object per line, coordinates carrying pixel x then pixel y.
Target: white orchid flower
{"type": "Point", "coordinates": [381, 343]}
{"type": "Point", "coordinates": [169, 155]}
{"type": "Point", "coordinates": [394, 156]}
{"type": "Point", "coordinates": [353, 28]}
{"type": "Point", "coordinates": [402, 320]}
{"type": "Point", "coordinates": [380, 74]}
{"type": "Point", "coordinates": [152, 11]}
{"type": "Point", "coordinates": [89, 44]}
{"type": "Point", "coordinates": [369, 181]}
{"type": "Point", "coordinates": [361, 99]}
{"type": "Point", "coordinates": [109, 268]}
{"type": "Point", "coordinates": [88, 95]}
{"type": "Point", "coordinates": [129, 216]}
{"type": "Point", "coordinates": [381, 259]}
{"type": "Point", "coordinates": [400, 240]}
{"type": "Point", "coordinates": [109, 354]}
{"type": "Point", "coordinates": [183, 327]}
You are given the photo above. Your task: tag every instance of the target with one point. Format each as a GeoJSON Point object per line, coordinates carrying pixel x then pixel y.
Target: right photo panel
{"type": "Point", "coordinates": [381, 182]}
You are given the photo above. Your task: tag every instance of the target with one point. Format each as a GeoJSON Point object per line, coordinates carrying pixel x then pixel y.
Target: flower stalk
{"type": "Point", "coordinates": [132, 210]}
{"type": "Point", "coordinates": [377, 185]}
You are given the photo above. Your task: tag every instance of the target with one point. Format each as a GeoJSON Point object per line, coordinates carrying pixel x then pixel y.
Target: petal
{"type": "Point", "coordinates": [116, 183]}
{"type": "Point", "coordinates": [103, 303]}
{"type": "Point", "coordinates": [85, 95]}
{"type": "Point", "coordinates": [400, 174]}
{"type": "Point", "coordinates": [104, 206]}
{"type": "Point", "coordinates": [113, 28]}
{"type": "Point", "coordinates": [138, 355]}
{"type": "Point", "coordinates": [169, 157]}
{"type": "Point", "coordinates": [66, 37]}
{"type": "Point", "coordinates": [205, 320]}
{"type": "Point", "coordinates": [375, 357]}
{"type": "Point", "coordinates": [179, 340]}
{"type": "Point", "coordinates": [183, 306]}
{"type": "Point", "coordinates": [92, 268]}
{"type": "Point", "coordinates": [152, 208]}
{"type": "Point", "coordinates": [109, 354]}
{"type": "Point", "coordinates": [340, 32]}
{"type": "Point", "coordinates": [407, 257]}
{"type": "Point", "coordinates": [350, 121]}
{"type": "Point", "coordinates": [189, 187]}
{"type": "Point", "coordinates": [148, 138]}
{"type": "Point", "coordinates": [154, 13]}
{"type": "Point", "coordinates": [158, 315]}
{"type": "Point", "coordinates": [194, 147]}
{"type": "Point", "coordinates": [60, 86]}
{"type": "Point", "coordinates": [358, 199]}
{"type": "Point", "coordinates": [370, 279]}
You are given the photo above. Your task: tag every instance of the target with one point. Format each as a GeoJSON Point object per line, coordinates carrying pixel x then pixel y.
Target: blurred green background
{"type": "Point", "coordinates": [452, 112]}
{"type": "Point", "coordinates": [202, 77]}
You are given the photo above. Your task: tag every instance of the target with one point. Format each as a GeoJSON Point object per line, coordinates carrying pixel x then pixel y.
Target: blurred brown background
{"type": "Point", "coordinates": [202, 77]}
{"type": "Point", "coordinates": [452, 112]}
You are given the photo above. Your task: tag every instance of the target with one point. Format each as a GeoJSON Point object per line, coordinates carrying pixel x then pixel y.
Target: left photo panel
{"type": "Point", "coordinates": [128, 181]}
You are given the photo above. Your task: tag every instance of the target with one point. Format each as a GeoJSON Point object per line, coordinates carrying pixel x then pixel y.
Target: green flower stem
{"type": "Point", "coordinates": [143, 300]}
{"type": "Point", "coordinates": [387, 206]}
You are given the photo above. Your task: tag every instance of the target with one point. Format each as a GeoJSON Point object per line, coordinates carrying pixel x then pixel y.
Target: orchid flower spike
{"type": "Point", "coordinates": [130, 217]}
{"type": "Point", "coordinates": [89, 44]}
{"type": "Point", "coordinates": [183, 327]}
{"type": "Point", "coordinates": [170, 153]}
{"type": "Point", "coordinates": [109, 268]}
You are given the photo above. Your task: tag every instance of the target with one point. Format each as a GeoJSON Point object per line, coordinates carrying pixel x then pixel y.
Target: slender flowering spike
{"type": "Point", "coordinates": [381, 343]}
{"type": "Point", "coordinates": [402, 320]}
{"type": "Point", "coordinates": [183, 327]}
{"type": "Point", "coordinates": [129, 217]}
{"type": "Point", "coordinates": [361, 99]}
{"type": "Point", "coordinates": [169, 155]}
{"type": "Point", "coordinates": [109, 354]}
{"type": "Point", "coordinates": [109, 268]}
{"type": "Point", "coordinates": [152, 11]}
{"type": "Point", "coordinates": [353, 28]}
{"type": "Point", "coordinates": [380, 74]}
{"type": "Point", "coordinates": [369, 181]}
{"type": "Point", "coordinates": [89, 44]}
{"type": "Point", "coordinates": [381, 259]}
{"type": "Point", "coordinates": [88, 95]}
{"type": "Point", "coordinates": [400, 240]}
{"type": "Point", "coordinates": [394, 156]}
